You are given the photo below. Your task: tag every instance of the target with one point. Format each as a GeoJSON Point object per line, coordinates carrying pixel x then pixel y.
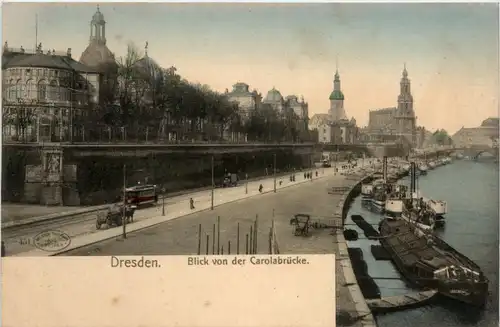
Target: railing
{"type": "Point", "coordinates": [157, 143]}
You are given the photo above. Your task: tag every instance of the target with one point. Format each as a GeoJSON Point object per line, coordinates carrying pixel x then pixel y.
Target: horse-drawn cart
{"type": "Point", "coordinates": [301, 223]}
{"type": "Point", "coordinates": [114, 215]}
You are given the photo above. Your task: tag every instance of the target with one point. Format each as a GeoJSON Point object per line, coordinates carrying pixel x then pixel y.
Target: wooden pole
{"type": "Point", "coordinates": [208, 240]}
{"type": "Point", "coordinates": [255, 230]}
{"type": "Point", "coordinates": [238, 240]}
{"type": "Point", "coordinates": [218, 234]}
{"type": "Point", "coordinates": [213, 239]}
{"type": "Point", "coordinates": [222, 250]}
{"type": "Point", "coordinates": [251, 240]}
{"type": "Point", "coordinates": [213, 185]}
{"type": "Point", "coordinates": [228, 247]}
{"type": "Point", "coordinates": [274, 171]}
{"type": "Point", "coordinates": [246, 244]}
{"type": "Point", "coordinates": [270, 240]}
{"type": "Point", "coordinates": [199, 239]}
{"type": "Point", "coordinates": [124, 217]}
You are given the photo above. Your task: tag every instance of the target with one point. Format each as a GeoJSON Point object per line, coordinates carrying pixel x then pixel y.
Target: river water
{"type": "Point", "coordinates": [471, 191]}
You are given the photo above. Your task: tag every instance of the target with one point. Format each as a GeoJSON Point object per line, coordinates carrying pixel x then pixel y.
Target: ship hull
{"type": "Point", "coordinates": [473, 293]}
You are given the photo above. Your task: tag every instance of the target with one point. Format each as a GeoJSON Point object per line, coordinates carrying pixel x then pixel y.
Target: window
{"type": "Point", "coordinates": [42, 91]}
{"type": "Point", "coordinates": [30, 89]}
{"type": "Point", "coordinates": [53, 91]}
{"type": "Point", "coordinates": [19, 89]}
{"type": "Point", "coordinates": [12, 90]}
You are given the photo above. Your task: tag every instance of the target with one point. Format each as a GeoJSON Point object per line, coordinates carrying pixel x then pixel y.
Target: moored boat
{"type": "Point", "coordinates": [379, 197]}
{"type": "Point", "coordinates": [422, 168]}
{"type": "Point", "coordinates": [393, 208]}
{"type": "Point", "coordinates": [366, 191]}
{"type": "Point", "coordinates": [427, 261]}
{"type": "Point", "coordinates": [438, 207]}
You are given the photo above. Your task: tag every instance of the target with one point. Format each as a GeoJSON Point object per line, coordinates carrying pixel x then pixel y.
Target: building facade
{"type": "Point", "coordinates": [299, 111]}
{"type": "Point", "coordinates": [275, 100]}
{"type": "Point", "coordinates": [321, 123]}
{"type": "Point", "coordinates": [337, 112]}
{"type": "Point", "coordinates": [405, 115]}
{"type": "Point", "coordinates": [342, 129]}
{"type": "Point", "coordinates": [45, 94]}
{"type": "Point", "coordinates": [248, 101]}
{"type": "Point", "coordinates": [389, 124]}
{"type": "Point", "coordinates": [486, 134]}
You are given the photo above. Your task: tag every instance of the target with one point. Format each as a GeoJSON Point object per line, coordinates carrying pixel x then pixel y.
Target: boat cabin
{"type": "Point", "coordinates": [457, 273]}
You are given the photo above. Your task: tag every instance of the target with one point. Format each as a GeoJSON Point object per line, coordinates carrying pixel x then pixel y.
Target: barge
{"type": "Point", "coordinates": [428, 262]}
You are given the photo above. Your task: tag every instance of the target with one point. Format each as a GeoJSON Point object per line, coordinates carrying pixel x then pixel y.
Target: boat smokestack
{"type": "Point", "coordinates": [413, 178]}
{"type": "Point", "coordinates": [384, 168]}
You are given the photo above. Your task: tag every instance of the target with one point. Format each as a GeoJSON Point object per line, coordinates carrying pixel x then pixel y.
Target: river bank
{"type": "Point", "coordinates": [471, 192]}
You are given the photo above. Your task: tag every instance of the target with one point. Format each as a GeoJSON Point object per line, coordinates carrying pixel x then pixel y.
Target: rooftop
{"type": "Point", "coordinates": [19, 57]}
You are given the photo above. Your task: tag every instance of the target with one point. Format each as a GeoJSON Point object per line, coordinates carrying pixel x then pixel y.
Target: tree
{"type": "Point", "coordinates": [142, 96]}
{"type": "Point", "coordinates": [23, 118]}
{"type": "Point", "coordinates": [441, 137]}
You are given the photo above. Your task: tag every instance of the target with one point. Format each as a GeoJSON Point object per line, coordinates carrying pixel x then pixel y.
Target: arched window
{"type": "Point", "coordinates": [30, 89]}
{"type": "Point", "coordinates": [19, 89]}
{"type": "Point", "coordinates": [53, 91]}
{"type": "Point", "coordinates": [12, 90]}
{"type": "Point", "coordinates": [42, 91]}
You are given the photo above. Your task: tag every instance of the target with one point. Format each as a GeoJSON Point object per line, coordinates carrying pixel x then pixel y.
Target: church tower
{"type": "Point", "coordinates": [405, 114]}
{"type": "Point", "coordinates": [98, 28]}
{"type": "Point", "coordinates": [97, 54]}
{"type": "Point", "coordinates": [337, 112]}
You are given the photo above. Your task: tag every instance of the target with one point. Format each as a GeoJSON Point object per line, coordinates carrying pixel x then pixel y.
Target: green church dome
{"type": "Point", "coordinates": [337, 95]}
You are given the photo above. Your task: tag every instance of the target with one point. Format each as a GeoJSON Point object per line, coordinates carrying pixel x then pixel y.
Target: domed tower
{"type": "Point", "coordinates": [275, 100]}
{"type": "Point", "coordinates": [405, 117]}
{"type": "Point", "coordinates": [97, 54]}
{"type": "Point", "coordinates": [337, 100]}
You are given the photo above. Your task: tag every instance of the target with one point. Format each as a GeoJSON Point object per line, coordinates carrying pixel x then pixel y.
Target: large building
{"type": "Point", "coordinates": [44, 93]}
{"type": "Point", "coordinates": [275, 100]}
{"type": "Point", "coordinates": [395, 123]}
{"type": "Point", "coordinates": [321, 124]}
{"type": "Point", "coordinates": [299, 110]}
{"type": "Point", "coordinates": [486, 134]}
{"type": "Point", "coordinates": [97, 54]}
{"type": "Point", "coordinates": [248, 101]}
{"type": "Point", "coordinates": [335, 127]}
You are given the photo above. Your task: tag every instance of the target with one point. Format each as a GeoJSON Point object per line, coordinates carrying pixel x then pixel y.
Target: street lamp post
{"type": "Point", "coordinates": [246, 183]}
{"type": "Point", "coordinates": [213, 185]}
{"type": "Point", "coordinates": [124, 218]}
{"type": "Point", "coordinates": [163, 202]}
{"type": "Point", "coordinates": [274, 171]}
{"type": "Point", "coordinates": [311, 163]}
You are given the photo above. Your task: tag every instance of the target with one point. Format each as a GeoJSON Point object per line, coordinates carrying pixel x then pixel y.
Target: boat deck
{"type": "Point", "coordinates": [399, 302]}
{"type": "Point", "coordinates": [412, 248]}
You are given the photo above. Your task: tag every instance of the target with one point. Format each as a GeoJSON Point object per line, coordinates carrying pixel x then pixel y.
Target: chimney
{"type": "Point", "coordinates": [68, 53]}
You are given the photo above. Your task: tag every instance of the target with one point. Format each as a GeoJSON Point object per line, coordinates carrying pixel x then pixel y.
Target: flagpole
{"type": "Point", "coordinates": [36, 30]}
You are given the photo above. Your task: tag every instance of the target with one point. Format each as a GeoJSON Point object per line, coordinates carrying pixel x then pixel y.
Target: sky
{"type": "Point", "coordinates": [450, 50]}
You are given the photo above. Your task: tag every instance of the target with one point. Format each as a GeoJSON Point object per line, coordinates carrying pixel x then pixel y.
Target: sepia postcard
{"type": "Point", "coordinates": [250, 164]}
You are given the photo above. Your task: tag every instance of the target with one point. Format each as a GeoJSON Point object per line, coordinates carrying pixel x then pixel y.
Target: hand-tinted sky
{"type": "Point", "coordinates": [451, 50]}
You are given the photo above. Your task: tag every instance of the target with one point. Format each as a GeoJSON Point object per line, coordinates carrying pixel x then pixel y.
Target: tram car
{"type": "Point", "coordinates": [141, 194]}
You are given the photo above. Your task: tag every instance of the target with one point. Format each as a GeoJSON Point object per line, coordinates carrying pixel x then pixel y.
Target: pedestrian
{"type": "Point", "coordinates": [260, 188]}
{"type": "Point", "coordinates": [191, 203]}
{"type": "Point", "coordinates": [3, 249]}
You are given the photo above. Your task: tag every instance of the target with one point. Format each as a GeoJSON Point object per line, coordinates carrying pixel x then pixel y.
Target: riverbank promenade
{"type": "Point", "coordinates": [180, 236]}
